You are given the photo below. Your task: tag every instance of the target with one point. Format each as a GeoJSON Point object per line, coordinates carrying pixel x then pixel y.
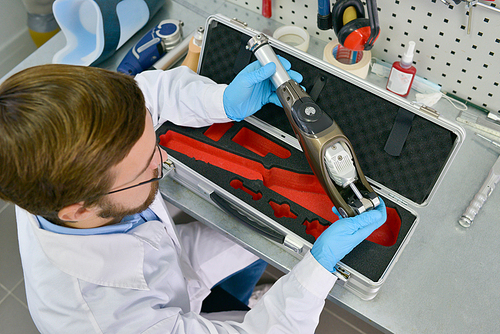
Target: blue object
{"type": "Point", "coordinates": [251, 89]}
{"type": "Point", "coordinates": [242, 283]}
{"type": "Point", "coordinates": [324, 7]}
{"type": "Point", "coordinates": [324, 20]}
{"type": "Point", "coordinates": [345, 234]}
{"type": "Point", "coordinates": [149, 49]}
{"type": "Point", "coordinates": [95, 29]}
{"type": "Point", "coordinates": [112, 25]}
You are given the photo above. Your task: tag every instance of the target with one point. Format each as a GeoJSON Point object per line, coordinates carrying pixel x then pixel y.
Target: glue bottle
{"type": "Point", "coordinates": [402, 73]}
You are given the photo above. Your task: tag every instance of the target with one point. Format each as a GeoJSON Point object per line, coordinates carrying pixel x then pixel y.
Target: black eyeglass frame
{"type": "Point", "coordinates": [145, 182]}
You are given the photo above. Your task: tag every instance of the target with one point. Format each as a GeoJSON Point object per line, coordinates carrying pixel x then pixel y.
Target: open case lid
{"type": "Point", "coordinates": [366, 115]}
{"type": "Point", "coordinates": [364, 112]}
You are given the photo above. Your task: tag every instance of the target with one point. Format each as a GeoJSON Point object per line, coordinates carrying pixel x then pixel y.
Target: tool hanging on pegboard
{"type": "Point", "coordinates": [267, 8]}
{"type": "Point", "coordinates": [469, 5]}
{"type": "Point", "coordinates": [347, 19]}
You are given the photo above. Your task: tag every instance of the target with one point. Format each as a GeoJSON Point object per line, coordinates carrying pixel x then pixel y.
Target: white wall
{"type": "Point", "coordinates": [15, 41]}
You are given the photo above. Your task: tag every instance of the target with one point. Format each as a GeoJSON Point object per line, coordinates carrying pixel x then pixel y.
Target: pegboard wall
{"type": "Point", "coordinates": [467, 65]}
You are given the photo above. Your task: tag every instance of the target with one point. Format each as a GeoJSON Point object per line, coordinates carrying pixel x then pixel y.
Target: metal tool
{"type": "Point", "coordinates": [477, 3]}
{"type": "Point", "coordinates": [327, 149]}
{"type": "Point", "coordinates": [469, 5]}
{"type": "Point", "coordinates": [480, 122]}
{"type": "Point", "coordinates": [474, 3]}
{"type": "Point", "coordinates": [152, 46]}
{"type": "Point", "coordinates": [484, 192]}
{"type": "Point", "coordinates": [174, 55]}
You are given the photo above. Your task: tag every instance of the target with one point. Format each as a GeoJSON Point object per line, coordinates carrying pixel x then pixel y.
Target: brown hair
{"type": "Point", "coordinates": [62, 128]}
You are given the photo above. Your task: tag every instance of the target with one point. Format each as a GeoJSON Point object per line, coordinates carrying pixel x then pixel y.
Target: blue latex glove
{"type": "Point", "coordinates": [252, 88]}
{"type": "Point", "coordinates": [345, 234]}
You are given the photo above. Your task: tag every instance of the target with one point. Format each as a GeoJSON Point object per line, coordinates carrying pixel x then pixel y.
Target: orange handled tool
{"type": "Point", "coordinates": [266, 8]}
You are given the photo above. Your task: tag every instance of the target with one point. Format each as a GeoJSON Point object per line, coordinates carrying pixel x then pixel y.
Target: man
{"type": "Point", "coordinates": [100, 253]}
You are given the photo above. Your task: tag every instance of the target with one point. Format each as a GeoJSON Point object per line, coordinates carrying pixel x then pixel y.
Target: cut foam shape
{"type": "Point", "coordinates": [217, 130]}
{"type": "Point", "coordinates": [237, 184]}
{"type": "Point", "coordinates": [386, 235]}
{"type": "Point", "coordinates": [259, 144]}
{"type": "Point", "coordinates": [282, 210]}
{"type": "Point", "coordinates": [314, 228]}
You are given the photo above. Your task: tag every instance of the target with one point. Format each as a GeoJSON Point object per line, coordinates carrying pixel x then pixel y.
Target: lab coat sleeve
{"type": "Point", "coordinates": [182, 97]}
{"type": "Point", "coordinates": [294, 302]}
{"type": "Point", "coordinates": [292, 305]}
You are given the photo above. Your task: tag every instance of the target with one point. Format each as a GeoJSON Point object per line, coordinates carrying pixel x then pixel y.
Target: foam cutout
{"type": "Point", "coordinates": [304, 189]}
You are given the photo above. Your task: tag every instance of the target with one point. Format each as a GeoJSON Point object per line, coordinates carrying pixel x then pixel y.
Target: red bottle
{"type": "Point", "coordinates": [402, 73]}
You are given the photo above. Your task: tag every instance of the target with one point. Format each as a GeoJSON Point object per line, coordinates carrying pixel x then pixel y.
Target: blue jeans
{"type": "Point", "coordinates": [241, 283]}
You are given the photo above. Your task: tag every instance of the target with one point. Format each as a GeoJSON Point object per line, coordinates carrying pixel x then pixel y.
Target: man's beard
{"type": "Point", "coordinates": [117, 212]}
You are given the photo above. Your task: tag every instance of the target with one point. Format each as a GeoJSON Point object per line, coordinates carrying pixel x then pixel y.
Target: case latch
{"type": "Point", "coordinates": [341, 273]}
{"type": "Point", "coordinates": [168, 167]}
{"type": "Point", "coordinates": [293, 243]}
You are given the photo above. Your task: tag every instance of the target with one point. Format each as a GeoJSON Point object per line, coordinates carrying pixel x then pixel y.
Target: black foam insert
{"type": "Point", "coordinates": [368, 258]}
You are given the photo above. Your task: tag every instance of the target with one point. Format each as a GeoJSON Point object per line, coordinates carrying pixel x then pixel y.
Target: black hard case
{"type": "Point", "coordinates": [364, 112]}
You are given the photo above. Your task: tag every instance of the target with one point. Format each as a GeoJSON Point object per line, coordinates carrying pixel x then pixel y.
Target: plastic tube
{"type": "Point", "coordinates": [324, 21]}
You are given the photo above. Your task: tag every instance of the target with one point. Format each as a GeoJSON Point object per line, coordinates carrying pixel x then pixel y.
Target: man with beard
{"type": "Point", "coordinates": [99, 250]}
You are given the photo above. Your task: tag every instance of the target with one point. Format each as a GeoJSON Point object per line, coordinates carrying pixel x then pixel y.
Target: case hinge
{"type": "Point", "coordinates": [239, 22]}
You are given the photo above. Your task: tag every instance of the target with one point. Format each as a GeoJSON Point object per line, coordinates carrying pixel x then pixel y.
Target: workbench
{"type": "Point", "coordinates": [445, 280]}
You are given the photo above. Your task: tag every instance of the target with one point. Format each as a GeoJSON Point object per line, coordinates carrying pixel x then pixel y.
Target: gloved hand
{"type": "Point", "coordinates": [345, 234]}
{"type": "Point", "coordinates": [252, 88]}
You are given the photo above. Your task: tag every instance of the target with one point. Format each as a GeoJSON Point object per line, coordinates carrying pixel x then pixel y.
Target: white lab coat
{"type": "Point", "coordinates": [154, 278]}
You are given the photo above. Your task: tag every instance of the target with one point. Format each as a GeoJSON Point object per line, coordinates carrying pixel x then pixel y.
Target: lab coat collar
{"type": "Point", "coordinates": [115, 260]}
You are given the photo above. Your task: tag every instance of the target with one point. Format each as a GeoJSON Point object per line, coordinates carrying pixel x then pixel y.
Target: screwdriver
{"type": "Point", "coordinates": [486, 189]}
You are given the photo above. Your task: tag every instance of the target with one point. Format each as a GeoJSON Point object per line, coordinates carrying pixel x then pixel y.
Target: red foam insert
{"type": "Point", "coordinates": [387, 234]}
{"type": "Point", "coordinates": [217, 130]}
{"type": "Point", "coordinates": [304, 189]}
{"type": "Point", "coordinates": [260, 145]}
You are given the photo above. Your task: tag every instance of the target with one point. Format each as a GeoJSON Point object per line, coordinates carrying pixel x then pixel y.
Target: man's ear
{"type": "Point", "coordinates": [76, 212]}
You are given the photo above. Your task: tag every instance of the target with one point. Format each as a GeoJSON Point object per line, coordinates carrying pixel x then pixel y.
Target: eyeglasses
{"type": "Point", "coordinates": [160, 173]}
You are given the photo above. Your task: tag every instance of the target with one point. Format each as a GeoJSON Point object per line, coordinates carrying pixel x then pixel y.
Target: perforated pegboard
{"type": "Point", "coordinates": [467, 65]}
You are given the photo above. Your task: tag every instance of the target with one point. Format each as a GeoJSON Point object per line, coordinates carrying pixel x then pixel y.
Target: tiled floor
{"type": "Point", "coordinates": [15, 318]}
{"type": "Point", "coordinates": [14, 315]}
